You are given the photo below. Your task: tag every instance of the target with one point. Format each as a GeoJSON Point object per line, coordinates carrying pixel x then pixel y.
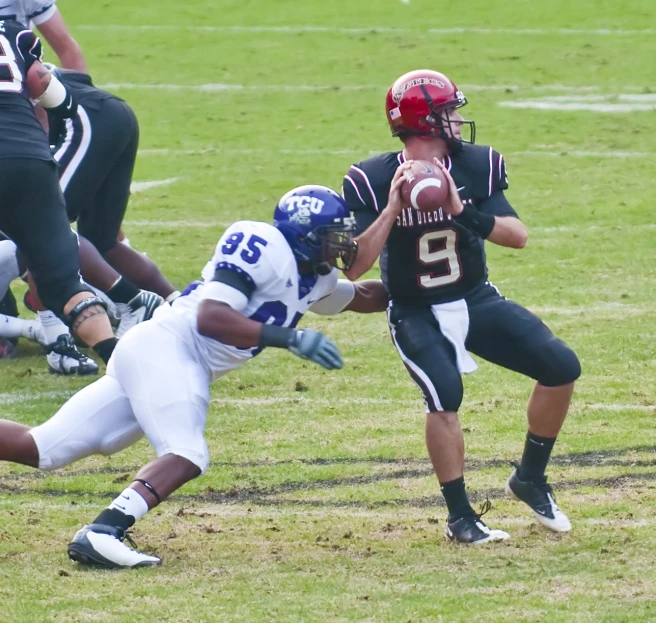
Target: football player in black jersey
{"type": "Point", "coordinates": [96, 152]}
{"type": "Point", "coordinates": [441, 302]}
{"type": "Point", "coordinates": [32, 211]}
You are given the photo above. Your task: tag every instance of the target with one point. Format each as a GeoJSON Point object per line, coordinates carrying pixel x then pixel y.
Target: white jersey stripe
{"type": "Point", "coordinates": [491, 172]}
{"type": "Point", "coordinates": [366, 180]}
{"type": "Point", "coordinates": [81, 150]}
{"type": "Point", "coordinates": [350, 179]}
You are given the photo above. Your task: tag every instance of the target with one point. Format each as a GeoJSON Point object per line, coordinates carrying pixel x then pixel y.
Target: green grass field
{"type": "Point", "coordinates": [320, 504]}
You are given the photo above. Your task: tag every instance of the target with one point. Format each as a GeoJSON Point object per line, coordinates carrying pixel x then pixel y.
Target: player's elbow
{"type": "Point", "coordinates": [355, 271]}
{"type": "Point", "coordinates": [519, 234]}
{"type": "Point", "coordinates": [352, 274]}
{"type": "Point", "coordinates": [521, 239]}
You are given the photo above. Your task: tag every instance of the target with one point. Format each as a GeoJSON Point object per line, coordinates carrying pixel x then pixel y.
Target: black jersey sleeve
{"type": "Point", "coordinates": [360, 198]}
{"type": "Point", "coordinates": [29, 47]}
{"type": "Point", "coordinates": [498, 174]}
{"type": "Point", "coordinates": [497, 205]}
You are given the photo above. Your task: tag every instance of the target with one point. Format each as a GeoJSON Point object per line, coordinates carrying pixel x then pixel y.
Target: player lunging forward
{"type": "Point", "coordinates": [433, 266]}
{"type": "Point", "coordinates": [260, 282]}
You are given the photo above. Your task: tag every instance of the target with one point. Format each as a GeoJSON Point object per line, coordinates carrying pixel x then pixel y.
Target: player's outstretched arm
{"type": "Point", "coordinates": [363, 297]}
{"type": "Point", "coordinates": [372, 241]}
{"type": "Point", "coordinates": [370, 297]}
{"type": "Point", "coordinates": [220, 322]}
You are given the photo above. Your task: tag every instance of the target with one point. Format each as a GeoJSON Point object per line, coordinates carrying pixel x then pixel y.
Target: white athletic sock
{"type": "Point", "coordinates": [52, 326]}
{"type": "Point", "coordinates": [17, 327]}
{"type": "Point", "coordinates": [130, 502]}
{"type": "Point", "coordinates": [8, 265]}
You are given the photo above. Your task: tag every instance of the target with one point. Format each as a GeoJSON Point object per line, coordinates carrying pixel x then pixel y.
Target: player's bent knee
{"type": "Point", "coordinates": [75, 316]}
{"type": "Point", "coordinates": [56, 294]}
{"type": "Point", "coordinates": [62, 454]}
{"type": "Point", "coordinates": [199, 458]}
{"type": "Point", "coordinates": [449, 401]}
{"type": "Point", "coordinates": [564, 366]}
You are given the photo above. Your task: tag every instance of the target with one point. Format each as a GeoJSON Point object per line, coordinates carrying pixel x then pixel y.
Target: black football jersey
{"type": "Point", "coordinates": [429, 257]}
{"type": "Point", "coordinates": [21, 134]}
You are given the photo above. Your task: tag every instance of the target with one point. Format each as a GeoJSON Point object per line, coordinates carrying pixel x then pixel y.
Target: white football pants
{"type": "Point", "coordinates": [154, 386]}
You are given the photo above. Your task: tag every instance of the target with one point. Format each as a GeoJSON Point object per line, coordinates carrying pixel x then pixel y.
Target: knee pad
{"type": "Point", "coordinates": [91, 301]}
{"type": "Point", "coordinates": [55, 294]}
{"type": "Point", "coordinates": [562, 366]}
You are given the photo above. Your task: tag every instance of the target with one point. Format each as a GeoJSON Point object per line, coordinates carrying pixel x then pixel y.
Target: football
{"type": "Point", "coordinates": [425, 187]}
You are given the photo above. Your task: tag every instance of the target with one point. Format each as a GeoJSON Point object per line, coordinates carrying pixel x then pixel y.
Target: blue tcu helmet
{"type": "Point", "coordinates": [318, 227]}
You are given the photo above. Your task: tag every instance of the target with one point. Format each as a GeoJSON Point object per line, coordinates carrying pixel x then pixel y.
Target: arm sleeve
{"type": "Point", "coordinates": [497, 205]}
{"type": "Point", "coordinates": [39, 11]}
{"type": "Point", "coordinates": [224, 293]}
{"type": "Point", "coordinates": [336, 301]}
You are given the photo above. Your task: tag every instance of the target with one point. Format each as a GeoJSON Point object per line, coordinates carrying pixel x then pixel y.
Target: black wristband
{"type": "Point", "coordinates": [278, 337]}
{"type": "Point", "coordinates": [475, 221]}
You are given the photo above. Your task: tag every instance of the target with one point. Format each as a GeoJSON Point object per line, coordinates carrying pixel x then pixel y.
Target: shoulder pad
{"type": "Point", "coordinates": [484, 167]}
{"type": "Point", "coordinates": [371, 179]}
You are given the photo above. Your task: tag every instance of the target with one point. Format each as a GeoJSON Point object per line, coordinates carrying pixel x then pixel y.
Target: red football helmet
{"type": "Point", "coordinates": [418, 104]}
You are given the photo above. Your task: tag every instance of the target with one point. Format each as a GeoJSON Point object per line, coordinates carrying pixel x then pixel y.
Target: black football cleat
{"type": "Point", "coordinates": [98, 545]}
{"type": "Point", "coordinates": [540, 498]}
{"type": "Point", "coordinates": [471, 530]}
{"type": "Point", "coordinates": [64, 358]}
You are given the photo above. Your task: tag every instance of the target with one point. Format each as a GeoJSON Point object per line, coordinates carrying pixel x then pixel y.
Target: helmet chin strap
{"type": "Point", "coordinates": [322, 268]}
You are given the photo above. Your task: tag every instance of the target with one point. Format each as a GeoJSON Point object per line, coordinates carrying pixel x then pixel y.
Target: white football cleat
{"type": "Point", "coordinates": [98, 545]}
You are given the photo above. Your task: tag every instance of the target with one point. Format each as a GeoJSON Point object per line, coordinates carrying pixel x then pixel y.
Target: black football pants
{"type": "Point", "coordinates": [500, 331]}
{"type": "Point", "coordinates": [33, 215]}
{"type": "Point", "coordinates": [96, 156]}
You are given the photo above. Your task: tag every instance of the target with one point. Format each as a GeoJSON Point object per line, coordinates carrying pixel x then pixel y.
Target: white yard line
{"type": "Point", "coordinates": [14, 398]}
{"type": "Point", "coordinates": [295, 29]}
{"type": "Point", "coordinates": [564, 153]}
{"type": "Point", "coordinates": [138, 187]}
{"type": "Point", "coordinates": [228, 151]}
{"type": "Point", "coordinates": [596, 310]}
{"type": "Point", "coordinates": [193, 223]}
{"type": "Point", "coordinates": [573, 92]}
{"type": "Point", "coordinates": [221, 87]}
{"type": "Point", "coordinates": [362, 153]}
